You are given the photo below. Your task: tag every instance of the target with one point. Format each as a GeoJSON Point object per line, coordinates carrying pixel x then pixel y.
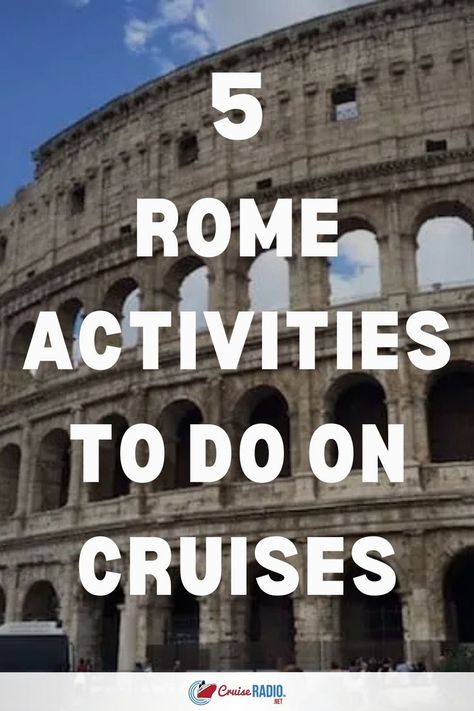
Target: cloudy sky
{"type": "Point", "coordinates": [63, 58]}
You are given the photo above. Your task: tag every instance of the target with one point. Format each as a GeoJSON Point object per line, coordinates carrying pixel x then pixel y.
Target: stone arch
{"type": "Point", "coordinates": [354, 400]}
{"type": "Point", "coordinates": [53, 471]}
{"type": "Point", "coordinates": [184, 627]}
{"type": "Point", "coordinates": [173, 628]}
{"type": "Point", "coordinates": [41, 603]}
{"type": "Point", "coordinates": [265, 404]}
{"type": "Point", "coordinates": [445, 245]}
{"type": "Point", "coordinates": [450, 413]}
{"type": "Point", "coordinates": [186, 288]}
{"type": "Point", "coordinates": [355, 274]}
{"type": "Point", "coordinates": [71, 313]}
{"type": "Point", "coordinates": [99, 629]}
{"type": "Point", "coordinates": [269, 282]}
{"type": "Point", "coordinates": [16, 354]}
{"type": "Point", "coordinates": [3, 606]}
{"type": "Point", "coordinates": [458, 593]}
{"type": "Point", "coordinates": [113, 482]}
{"type": "Point", "coordinates": [370, 626]}
{"type": "Point", "coordinates": [270, 624]}
{"type": "Point", "coordinates": [174, 424]}
{"type": "Point", "coordinates": [122, 297]}
{"type": "Point", "coordinates": [10, 457]}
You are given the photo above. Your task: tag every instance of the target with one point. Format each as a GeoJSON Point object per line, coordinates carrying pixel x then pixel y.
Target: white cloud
{"type": "Point", "coordinates": [355, 273]}
{"type": "Point", "coordinates": [79, 3]}
{"type": "Point", "coordinates": [201, 26]}
{"type": "Point", "coordinates": [138, 33]}
{"type": "Point", "coordinates": [172, 12]}
{"type": "Point", "coordinates": [185, 22]}
{"type": "Point", "coordinates": [233, 21]}
{"type": "Point", "coordinates": [190, 39]}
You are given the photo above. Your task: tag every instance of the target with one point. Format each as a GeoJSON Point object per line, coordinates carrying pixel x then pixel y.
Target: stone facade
{"type": "Point", "coordinates": [67, 242]}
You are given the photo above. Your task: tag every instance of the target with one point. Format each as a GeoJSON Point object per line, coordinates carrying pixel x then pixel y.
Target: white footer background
{"type": "Point", "coordinates": [301, 691]}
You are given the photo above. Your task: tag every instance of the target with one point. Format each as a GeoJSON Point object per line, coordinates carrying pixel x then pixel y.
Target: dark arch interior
{"type": "Point", "coordinates": [270, 625]}
{"type": "Point", "coordinates": [3, 604]}
{"type": "Point", "coordinates": [175, 426]}
{"type": "Point", "coordinates": [41, 603]}
{"type": "Point", "coordinates": [459, 596]}
{"type": "Point", "coordinates": [370, 626]}
{"type": "Point", "coordinates": [270, 407]}
{"type": "Point", "coordinates": [184, 627]}
{"type": "Point", "coordinates": [18, 350]}
{"type": "Point", "coordinates": [361, 403]}
{"type": "Point", "coordinates": [53, 471]}
{"type": "Point", "coordinates": [9, 472]}
{"type": "Point", "coordinates": [112, 479]}
{"type": "Point", "coordinates": [450, 407]}
{"type": "Point", "coordinates": [110, 629]}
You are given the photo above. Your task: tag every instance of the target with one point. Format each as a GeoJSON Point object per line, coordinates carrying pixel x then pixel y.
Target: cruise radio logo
{"type": "Point", "coordinates": [201, 693]}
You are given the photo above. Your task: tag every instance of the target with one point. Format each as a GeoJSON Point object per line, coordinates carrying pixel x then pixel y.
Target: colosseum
{"type": "Point", "coordinates": [373, 105]}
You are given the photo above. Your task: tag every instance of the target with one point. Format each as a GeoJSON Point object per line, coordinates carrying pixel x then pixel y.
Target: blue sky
{"type": "Point", "coordinates": [64, 58]}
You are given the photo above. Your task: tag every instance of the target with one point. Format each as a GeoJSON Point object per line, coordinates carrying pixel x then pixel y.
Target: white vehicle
{"type": "Point", "coordinates": [34, 647]}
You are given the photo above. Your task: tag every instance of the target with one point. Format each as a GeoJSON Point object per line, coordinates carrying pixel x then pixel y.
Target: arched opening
{"type": "Point", "coordinates": [122, 298]}
{"type": "Point", "coordinates": [270, 625]}
{"type": "Point", "coordinates": [354, 275]}
{"type": "Point", "coordinates": [370, 626]}
{"type": "Point", "coordinates": [458, 597]}
{"type": "Point", "coordinates": [269, 282]}
{"type": "Point", "coordinates": [194, 295]}
{"type": "Point", "coordinates": [9, 472]}
{"type": "Point", "coordinates": [450, 414]}
{"type": "Point", "coordinates": [174, 424]}
{"type": "Point", "coordinates": [113, 482]}
{"type": "Point", "coordinates": [71, 315]}
{"type": "Point", "coordinates": [16, 355]}
{"type": "Point", "coordinates": [53, 471]}
{"type": "Point", "coordinates": [173, 628]}
{"type": "Point", "coordinates": [184, 629]}
{"type": "Point", "coordinates": [268, 406]}
{"type": "Point", "coordinates": [41, 603]}
{"type": "Point", "coordinates": [110, 630]}
{"type": "Point", "coordinates": [3, 606]}
{"type": "Point", "coordinates": [445, 241]}
{"type": "Point", "coordinates": [187, 288]}
{"type": "Point", "coordinates": [358, 399]}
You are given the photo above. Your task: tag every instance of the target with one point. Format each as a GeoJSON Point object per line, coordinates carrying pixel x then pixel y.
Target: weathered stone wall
{"type": "Point", "coordinates": [411, 66]}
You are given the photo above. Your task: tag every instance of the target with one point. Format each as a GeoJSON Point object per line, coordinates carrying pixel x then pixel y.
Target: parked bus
{"type": "Point", "coordinates": [34, 647]}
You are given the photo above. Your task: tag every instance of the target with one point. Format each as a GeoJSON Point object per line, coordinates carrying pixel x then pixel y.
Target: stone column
{"type": "Point", "coordinates": [314, 637]}
{"type": "Point", "coordinates": [421, 443]}
{"type": "Point", "coordinates": [25, 478]}
{"type": "Point", "coordinates": [138, 415]}
{"type": "Point", "coordinates": [128, 634]}
{"type": "Point", "coordinates": [214, 388]}
{"type": "Point", "coordinates": [420, 643]}
{"type": "Point", "coordinates": [401, 254]}
{"type": "Point", "coordinates": [232, 623]}
{"type": "Point", "coordinates": [388, 283]}
{"type": "Point", "coordinates": [158, 622]}
{"type": "Point", "coordinates": [76, 478]}
{"type": "Point", "coordinates": [209, 631]}
{"type": "Point", "coordinates": [67, 594]}
{"type": "Point", "coordinates": [11, 593]}
{"type": "Point", "coordinates": [301, 436]}
{"type": "Point", "coordinates": [309, 278]}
